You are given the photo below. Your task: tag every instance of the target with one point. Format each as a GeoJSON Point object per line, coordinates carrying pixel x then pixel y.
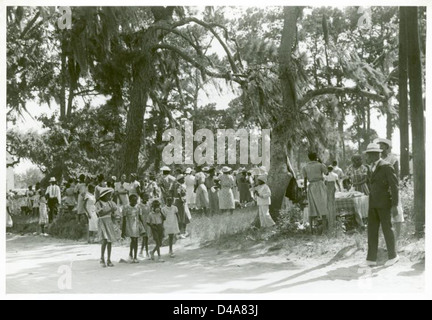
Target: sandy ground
{"type": "Point", "coordinates": [45, 265]}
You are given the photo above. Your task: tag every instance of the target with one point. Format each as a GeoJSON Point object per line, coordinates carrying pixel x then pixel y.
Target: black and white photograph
{"type": "Point", "coordinates": [209, 150]}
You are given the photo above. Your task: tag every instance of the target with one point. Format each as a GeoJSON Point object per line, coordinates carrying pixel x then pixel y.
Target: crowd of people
{"type": "Point", "coordinates": [161, 205]}
{"type": "Point", "coordinates": [151, 206]}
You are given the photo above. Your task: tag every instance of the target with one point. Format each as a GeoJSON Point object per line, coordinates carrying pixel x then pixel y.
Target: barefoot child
{"type": "Point", "coordinates": [43, 212]}
{"type": "Point", "coordinates": [132, 226]}
{"type": "Point", "coordinates": [155, 221]}
{"type": "Point", "coordinates": [90, 210]}
{"type": "Point", "coordinates": [171, 224]}
{"type": "Point", "coordinates": [105, 210]}
{"type": "Point", "coordinates": [145, 212]}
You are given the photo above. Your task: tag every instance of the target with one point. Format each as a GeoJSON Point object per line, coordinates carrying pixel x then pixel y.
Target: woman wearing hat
{"type": "Point", "coordinates": [106, 209]}
{"type": "Point", "coordinates": [226, 195]}
{"type": "Point", "coordinates": [263, 196]}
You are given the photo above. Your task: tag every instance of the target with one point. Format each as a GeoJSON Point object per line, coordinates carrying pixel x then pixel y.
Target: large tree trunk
{"type": "Point", "coordinates": [135, 119]}
{"type": "Point", "coordinates": [143, 79]}
{"type": "Point", "coordinates": [278, 173]}
{"type": "Point", "coordinates": [403, 96]}
{"type": "Point", "coordinates": [417, 115]}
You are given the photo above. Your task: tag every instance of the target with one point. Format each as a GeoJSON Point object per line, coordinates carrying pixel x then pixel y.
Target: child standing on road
{"type": "Point", "coordinates": [106, 210]}
{"type": "Point", "coordinates": [145, 212]}
{"type": "Point", "coordinates": [171, 224]}
{"type": "Point", "coordinates": [155, 221]}
{"type": "Point", "coordinates": [132, 226]}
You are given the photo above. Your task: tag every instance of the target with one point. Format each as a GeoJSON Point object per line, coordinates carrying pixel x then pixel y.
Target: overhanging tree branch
{"type": "Point", "coordinates": [210, 27]}
{"type": "Point", "coordinates": [337, 90]}
{"type": "Point", "coordinates": [203, 69]}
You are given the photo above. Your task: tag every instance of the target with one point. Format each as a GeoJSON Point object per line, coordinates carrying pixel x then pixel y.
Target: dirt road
{"type": "Point", "coordinates": [46, 265]}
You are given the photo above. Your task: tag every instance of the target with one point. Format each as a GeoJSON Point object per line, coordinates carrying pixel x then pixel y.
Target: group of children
{"type": "Point", "coordinates": [139, 220]}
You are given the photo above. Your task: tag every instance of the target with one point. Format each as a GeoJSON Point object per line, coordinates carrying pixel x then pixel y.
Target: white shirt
{"type": "Point", "coordinates": [53, 191]}
{"type": "Point", "coordinates": [331, 177]}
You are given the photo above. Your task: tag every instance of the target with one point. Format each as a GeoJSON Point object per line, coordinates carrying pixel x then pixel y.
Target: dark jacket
{"type": "Point", "coordinates": [384, 190]}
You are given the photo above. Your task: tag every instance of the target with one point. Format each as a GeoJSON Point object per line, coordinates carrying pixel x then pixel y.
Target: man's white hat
{"type": "Point", "coordinates": [373, 147]}
{"type": "Point", "coordinates": [382, 140]}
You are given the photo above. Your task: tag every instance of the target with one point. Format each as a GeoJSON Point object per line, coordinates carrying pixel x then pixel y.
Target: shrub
{"type": "Point", "coordinates": [291, 221]}
{"type": "Point", "coordinates": [66, 226]}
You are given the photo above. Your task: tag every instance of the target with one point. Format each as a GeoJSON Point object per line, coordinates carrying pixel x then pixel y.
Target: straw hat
{"type": "Point", "coordinates": [382, 140]}
{"type": "Point", "coordinates": [373, 147]}
{"type": "Point", "coordinates": [262, 178]}
{"type": "Point", "coordinates": [105, 191]}
{"type": "Point", "coordinates": [226, 169]}
{"type": "Point", "coordinates": [180, 177]}
{"type": "Point", "coordinates": [205, 169]}
{"type": "Point", "coordinates": [52, 179]}
{"type": "Point", "coordinates": [188, 171]}
{"type": "Point", "coordinates": [165, 169]}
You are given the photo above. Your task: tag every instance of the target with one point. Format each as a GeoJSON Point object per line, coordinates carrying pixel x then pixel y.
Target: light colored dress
{"type": "Point", "coordinates": [171, 224]}
{"type": "Point", "coordinates": [134, 228]}
{"type": "Point", "coordinates": [106, 226]}
{"type": "Point", "coordinates": [90, 206]}
{"type": "Point", "coordinates": [190, 183]}
{"type": "Point", "coordinates": [264, 202]}
{"type": "Point", "coordinates": [317, 191]}
{"type": "Point", "coordinates": [226, 195]}
{"type": "Point", "coordinates": [202, 196]}
{"type": "Point", "coordinates": [43, 211]}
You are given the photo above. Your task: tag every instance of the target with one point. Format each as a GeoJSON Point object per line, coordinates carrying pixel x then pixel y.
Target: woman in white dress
{"type": "Point", "coordinates": [226, 195]}
{"type": "Point", "coordinates": [190, 183]}
{"type": "Point", "coordinates": [263, 196]}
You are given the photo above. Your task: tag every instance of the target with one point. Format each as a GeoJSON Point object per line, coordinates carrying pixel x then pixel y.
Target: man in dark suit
{"type": "Point", "coordinates": [383, 201]}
